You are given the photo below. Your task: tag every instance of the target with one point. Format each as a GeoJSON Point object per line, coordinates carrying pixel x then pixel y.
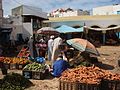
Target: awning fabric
{"type": "Point", "coordinates": [102, 29]}
{"type": "Point", "coordinates": [68, 29]}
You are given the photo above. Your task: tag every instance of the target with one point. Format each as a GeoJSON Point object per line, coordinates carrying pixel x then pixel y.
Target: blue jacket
{"type": "Point", "coordinates": [59, 66]}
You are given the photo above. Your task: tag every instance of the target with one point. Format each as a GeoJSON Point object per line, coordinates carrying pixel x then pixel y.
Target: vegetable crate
{"type": "Point", "coordinates": [7, 66]}
{"type": "Point", "coordinates": [27, 74]}
{"type": "Point", "coordinates": [20, 66]}
{"type": "Point", "coordinates": [13, 66]}
{"type": "Point", "coordinates": [82, 86]}
{"type": "Point", "coordinates": [67, 85]}
{"type": "Point", "coordinates": [110, 85]}
{"type": "Point", "coordinates": [38, 75]}
{"type": "Point", "coordinates": [77, 86]}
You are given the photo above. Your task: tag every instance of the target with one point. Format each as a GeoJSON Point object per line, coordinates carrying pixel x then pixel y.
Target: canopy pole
{"type": "Point", "coordinates": [104, 37]}
{"type": "Point", "coordinates": [86, 33]}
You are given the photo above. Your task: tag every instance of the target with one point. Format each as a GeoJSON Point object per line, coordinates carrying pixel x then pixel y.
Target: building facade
{"type": "Point", "coordinates": [1, 13]}
{"type": "Point", "coordinates": [26, 20]}
{"type": "Point", "coordinates": [68, 12]}
{"type": "Point", "coordinates": [96, 23]}
{"type": "Point", "coordinates": [107, 10]}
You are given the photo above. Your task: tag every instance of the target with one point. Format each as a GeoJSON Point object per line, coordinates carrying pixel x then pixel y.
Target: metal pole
{"type": "Point", "coordinates": [104, 37]}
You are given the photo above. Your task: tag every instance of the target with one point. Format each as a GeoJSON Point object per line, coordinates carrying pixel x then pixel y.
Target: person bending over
{"type": "Point", "coordinates": [59, 66]}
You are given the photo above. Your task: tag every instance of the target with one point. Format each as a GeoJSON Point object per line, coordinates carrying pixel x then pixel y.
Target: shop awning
{"type": "Point", "coordinates": [102, 29]}
{"type": "Point", "coordinates": [68, 29]}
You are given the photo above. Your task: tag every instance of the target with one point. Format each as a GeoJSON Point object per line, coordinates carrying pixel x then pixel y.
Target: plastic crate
{"type": "Point", "coordinates": [19, 66]}
{"type": "Point", "coordinates": [13, 66]}
{"type": "Point", "coordinates": [110, 85]}
{"type": "Point", "coordinates": [27, 74]}
{"type": "Point", "coordinates": [38, 75]}
{"type": "Point", "coordinates": [67, 85]}
{"type": "Point", "coordinates": [7, 66]}
{"type": "Point", "coordinates": [77, 86]}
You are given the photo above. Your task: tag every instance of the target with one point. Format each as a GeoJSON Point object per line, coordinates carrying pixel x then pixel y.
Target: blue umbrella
{"type": "Point", "coordinates": [68, 29]}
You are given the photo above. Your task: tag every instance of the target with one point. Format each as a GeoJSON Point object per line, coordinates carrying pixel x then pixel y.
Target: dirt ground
{"type": "Point", "coordinates": [108, 60]}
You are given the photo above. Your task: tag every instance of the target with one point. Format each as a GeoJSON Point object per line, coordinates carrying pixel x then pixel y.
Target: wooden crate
{"type": "Point", "coordinates": [77, 86]}
{"type": "Point", "coordinates": [67, 85]}
{"type": "Point", "coordinates": [110, 85]}
{"type": "Point", "coordinates": [82, 86]}
{"type": "Point", "coordinates": [38, 75]}
{"type": "Point", "coordinates": [27, 74]}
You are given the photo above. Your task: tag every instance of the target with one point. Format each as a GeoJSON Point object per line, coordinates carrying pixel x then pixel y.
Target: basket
{"type": "Point", "coordinates": [38, 75]}
{"type": "Point", "coordinates": [77, 86]}
{"type": "Point", "coordinates": [110, 85]}
{"type": "Point", "coordinates": [27, 74]}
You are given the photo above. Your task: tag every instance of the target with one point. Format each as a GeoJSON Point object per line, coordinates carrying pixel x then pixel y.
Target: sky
{"type": "Point", "coordinates": [50, 5]}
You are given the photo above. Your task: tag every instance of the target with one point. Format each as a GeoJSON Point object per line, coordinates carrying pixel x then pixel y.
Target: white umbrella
{"type": "Point", "coordinates": [47, 30]}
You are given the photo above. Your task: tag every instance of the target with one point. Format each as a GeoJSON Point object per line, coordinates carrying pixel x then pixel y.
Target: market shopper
{"type": "Point", "coordinates": [56, 51]}
{"type": "Point", "coordinates": [50, 47]}
{"type": "Point", "coordinates": [30, 45]}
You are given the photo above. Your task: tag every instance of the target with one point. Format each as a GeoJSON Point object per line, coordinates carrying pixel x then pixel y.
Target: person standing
{"type": "Point", "coordinates": [56, 51]}
{"type": "Point", "coordinates": [50, 47]}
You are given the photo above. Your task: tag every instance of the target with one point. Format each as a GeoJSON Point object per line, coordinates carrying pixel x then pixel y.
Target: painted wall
{"type": "Point", "coordinates": [101, 23]}
{"type": "Point", "coordinates": [106, 10]}
{"type": "Point", "coordinates": [27, 30]}
{"type": "Point", "coordinates": [21, 28]}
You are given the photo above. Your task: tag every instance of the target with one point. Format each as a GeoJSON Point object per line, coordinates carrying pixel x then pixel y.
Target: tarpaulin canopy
{"type": "Point", "coordinates": [67, 29]}
{"type": "Point", "coordinates": [102, 29]}
{"type": "Point", "coordinates": [81, 29]}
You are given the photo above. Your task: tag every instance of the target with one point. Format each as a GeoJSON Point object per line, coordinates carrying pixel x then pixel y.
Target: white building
{"type": "Point", "coordinates": [26, 20]}
{"type": "Point", "coordinates": [107, 10]}
{"type": "Point", "coordinates": [68, 12]}
{"type": "Point", "coordinates": [1, 13]}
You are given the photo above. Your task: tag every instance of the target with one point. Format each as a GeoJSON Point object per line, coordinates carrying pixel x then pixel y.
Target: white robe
{"type": "Point", "coordinates": [50, 48]}
{"type": "Point", "coordinates": [57, 41]}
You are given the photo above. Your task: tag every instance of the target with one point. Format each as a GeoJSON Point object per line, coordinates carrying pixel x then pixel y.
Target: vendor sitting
{"type": "Point", "coordinates": [59, 66]}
